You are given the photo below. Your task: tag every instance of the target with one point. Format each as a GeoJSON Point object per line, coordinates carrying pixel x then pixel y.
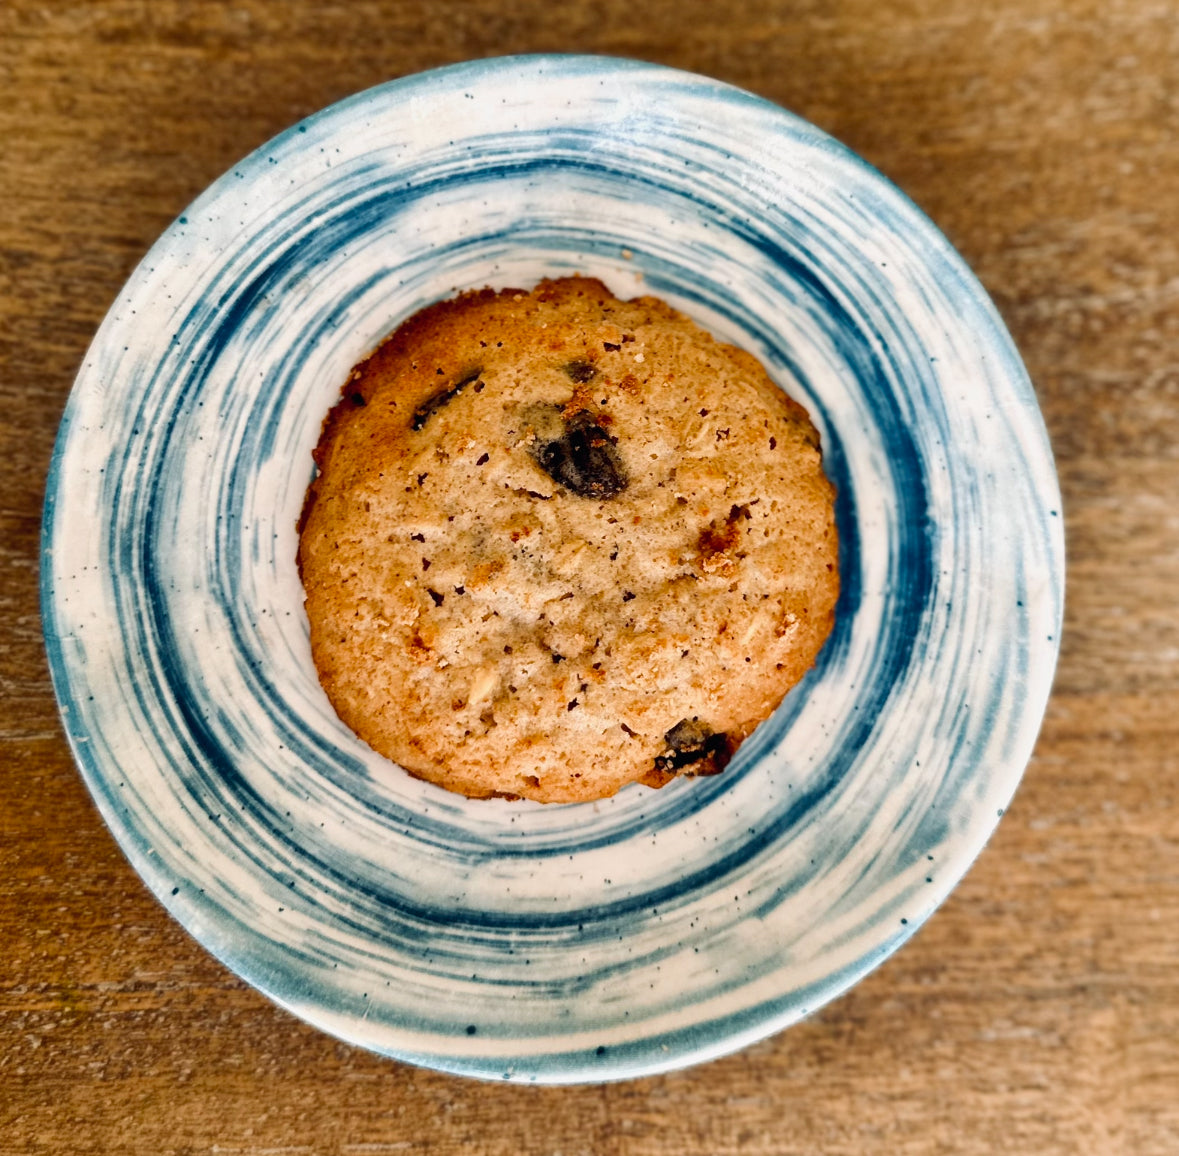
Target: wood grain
{"type": "Point", "coordinates": [1038, 1012]}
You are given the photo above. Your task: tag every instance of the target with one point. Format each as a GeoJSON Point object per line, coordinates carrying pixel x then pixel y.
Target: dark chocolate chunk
{"type": "Point", "coordinates": [435, 595]}
{"type": "Point", "coordinates": [583, 459]}
{"type": "Point", "coordinates": [431, 405]}
{"type": "Point", "coordinates": [693, 743]}
{"type": "Point", "coordinates": [357, 398]}
{"type": "Point", "coordinates": [581, 371]}
{"type": "Point", "coordinates": [610, 346]}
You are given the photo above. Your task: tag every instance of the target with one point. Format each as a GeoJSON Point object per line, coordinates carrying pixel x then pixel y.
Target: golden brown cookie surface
{"type": "Point", "coordinates": [560, 542]}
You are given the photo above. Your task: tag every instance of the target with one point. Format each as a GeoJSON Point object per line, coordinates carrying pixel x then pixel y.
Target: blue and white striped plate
{"type": "Point", "coordinates": [506, 939]}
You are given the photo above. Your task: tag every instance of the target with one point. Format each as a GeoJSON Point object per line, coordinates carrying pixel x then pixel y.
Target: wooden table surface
{"type": "Point", "coordinates": [1038, 1011]}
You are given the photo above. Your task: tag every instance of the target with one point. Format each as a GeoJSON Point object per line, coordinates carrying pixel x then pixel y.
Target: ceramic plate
{"type": "Point", "coordinates": [506, 939]}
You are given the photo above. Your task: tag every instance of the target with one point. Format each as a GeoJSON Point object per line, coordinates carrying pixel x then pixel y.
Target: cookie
{"type": "Point", "coordinates": [560, 542]}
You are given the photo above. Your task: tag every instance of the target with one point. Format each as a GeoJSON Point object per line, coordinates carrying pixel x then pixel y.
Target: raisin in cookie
{"type": "Point", "coordinates": [560, 542]}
